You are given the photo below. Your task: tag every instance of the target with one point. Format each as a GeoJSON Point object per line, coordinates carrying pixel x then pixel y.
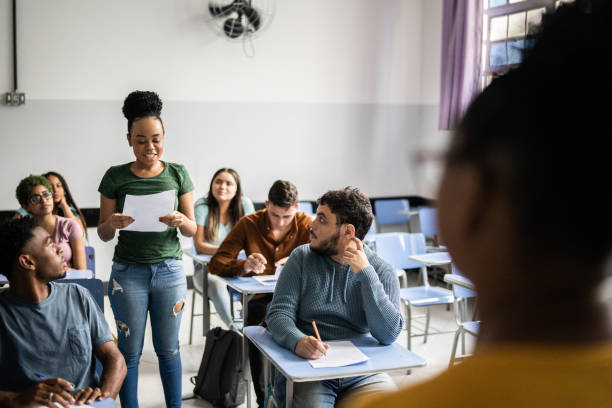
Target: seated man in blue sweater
{"type": "Point", "coordinates": [49, 332]}
{"type": "Point", "coordinates": [347, 289]}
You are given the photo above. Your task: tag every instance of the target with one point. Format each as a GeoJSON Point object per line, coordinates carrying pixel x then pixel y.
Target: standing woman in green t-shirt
{"type": "Point", "coordinates": [147, 272]}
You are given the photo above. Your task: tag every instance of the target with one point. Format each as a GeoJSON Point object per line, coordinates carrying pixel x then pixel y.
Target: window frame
{"type": "Point", "coordinates": [488, 72]}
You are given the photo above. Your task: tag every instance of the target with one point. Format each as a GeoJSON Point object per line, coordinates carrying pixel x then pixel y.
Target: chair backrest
{"type": "Point", "coordinates": [306, 207]}
{"type": "Point", "coordinates": [395, 247]}
{"type": "Point", "coordinates": [79, 274]}
{"type": "Point", "coordinates": [394, 211]}
{"type": "Point", "coordinates": [371, 234]}
{"type": "Point", "coordinates": [95, 287]}
{"type": "Point", "coordinates": [90, 255]}
{"type": "Point", "coordinates": [459, 291]}
{"type": "Point", "coordinates": [428, 219]}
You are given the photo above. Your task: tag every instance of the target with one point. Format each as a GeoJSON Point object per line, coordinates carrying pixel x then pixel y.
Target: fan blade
{"type": "Point", "coordinates": [220, 11]}
{"type": "Point", "coordinates": [253, 16]}
{"type": "Point", "coordinates": [233, 27]}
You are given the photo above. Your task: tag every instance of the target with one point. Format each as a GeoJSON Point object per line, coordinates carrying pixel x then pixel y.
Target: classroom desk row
{"type": "Point", "coordinates": [296, 369]}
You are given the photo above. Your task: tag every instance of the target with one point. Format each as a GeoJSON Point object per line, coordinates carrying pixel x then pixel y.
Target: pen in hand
{"type": "Point", "coordinates": [317, 332]}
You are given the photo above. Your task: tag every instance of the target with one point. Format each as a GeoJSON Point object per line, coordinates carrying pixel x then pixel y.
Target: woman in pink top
{"type": "Point", "coordinates": [35, 194]}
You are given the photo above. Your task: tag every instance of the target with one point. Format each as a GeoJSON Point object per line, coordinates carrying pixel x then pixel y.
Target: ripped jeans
{"type": "Point", "coordinates": [159, 289]}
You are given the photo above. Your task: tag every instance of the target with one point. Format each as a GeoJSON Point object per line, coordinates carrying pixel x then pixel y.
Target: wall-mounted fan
{"type": "Point", "coordinates": [241, 18]}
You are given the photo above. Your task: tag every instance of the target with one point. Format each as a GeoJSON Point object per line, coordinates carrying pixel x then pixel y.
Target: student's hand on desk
{"type": "Point", "coordinates": [46, 393]}
{"type": "Point", "coordinates": [355, 257]}
{"type": "Point", "coordinates": [88, 395]}
{"type": "Point", "coordinates": [310, 348]}
{"type": "Point", "coordinates": [119, 220]}
{"type": "Point", "coordinates": [173, 220]}
{"type": "Point", "coordinates": [255, 263]}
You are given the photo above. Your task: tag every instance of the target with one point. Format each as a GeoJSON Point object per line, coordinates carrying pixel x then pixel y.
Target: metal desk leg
{"type": "Point", "coordinates": [245, 346]}
{"type": "Point", "coordinates": [289, 394]}
{"type": "Point", "coordinates": [205, 302]}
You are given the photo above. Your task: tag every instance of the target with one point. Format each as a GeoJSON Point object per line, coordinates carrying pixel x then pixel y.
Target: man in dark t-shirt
{"type": "Point", "coordinates": [49, 332]}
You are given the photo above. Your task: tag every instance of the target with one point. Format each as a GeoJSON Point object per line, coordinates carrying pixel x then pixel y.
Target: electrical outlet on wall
{"type": "Point", "coordinates": [14, 98]}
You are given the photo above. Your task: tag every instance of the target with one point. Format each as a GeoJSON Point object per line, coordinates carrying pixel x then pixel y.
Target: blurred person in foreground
{"type": "Point", "coordinates": [533, 137]}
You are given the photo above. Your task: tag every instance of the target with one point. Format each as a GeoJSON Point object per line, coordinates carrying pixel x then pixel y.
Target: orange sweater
{"type": "Point", "coordinates": [253, 234]}
{"type": "Point", "coordinates": [544, 376]}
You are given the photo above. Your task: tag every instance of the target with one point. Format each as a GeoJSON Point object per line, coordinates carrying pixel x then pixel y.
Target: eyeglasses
{"type": "Point", "coordinates": [38, 198]}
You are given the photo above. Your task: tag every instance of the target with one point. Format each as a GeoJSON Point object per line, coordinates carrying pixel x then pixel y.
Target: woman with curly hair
{"type": "Point", "coordinates": [63, 203]}
{"type": "Point", "coordinates": [147, 275]}
{"type": "Point", "coordinates": [35, 195]}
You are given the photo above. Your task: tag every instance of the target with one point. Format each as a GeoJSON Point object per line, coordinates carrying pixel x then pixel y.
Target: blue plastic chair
{"type": "Point", "coordinates": [370, 238]}
{"type": "Point", "coordinates": [90, 255]}
{"type": "Point", "coordinates": [395, 248]}
{"type": "Point", "coordinates": [464, 324]}
{"type": "Point", "coordinates": [428, 220]}
{"type": "Point", "coordinates": [394, 211]}
{"type": "Point", "coordinates": [428, 223]}
{"type": "Point", "coordinates": [96, 289]}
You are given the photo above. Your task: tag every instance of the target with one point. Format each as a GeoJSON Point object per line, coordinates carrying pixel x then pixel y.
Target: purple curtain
{"type": "Point", "coordinates": [461, 54]}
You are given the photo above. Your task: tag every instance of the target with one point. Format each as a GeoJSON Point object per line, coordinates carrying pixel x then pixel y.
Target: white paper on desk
{"type": "Point", "coordinates": [339, 354]}
{"type": "Point", "coordinates": [71, 406]}
{"type": "Point", "coordinates": [146, 210]}
{"type": "Point", "coordinates": [269, 280]}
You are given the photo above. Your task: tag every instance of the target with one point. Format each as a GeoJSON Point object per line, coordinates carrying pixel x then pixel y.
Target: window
{"type": "Point", "coordinates": [507, 29]}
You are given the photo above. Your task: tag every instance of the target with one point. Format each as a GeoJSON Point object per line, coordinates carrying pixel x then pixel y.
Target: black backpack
{"type": "Point", "coordinates": [221, 379]}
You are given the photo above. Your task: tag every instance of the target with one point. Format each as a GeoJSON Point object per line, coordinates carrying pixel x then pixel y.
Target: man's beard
{"type": "Point", "coordinates": [327, 247]}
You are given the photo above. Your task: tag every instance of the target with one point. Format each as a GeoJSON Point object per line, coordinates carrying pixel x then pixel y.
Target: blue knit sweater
{"type": "Point", "coordinates": [342, 303]}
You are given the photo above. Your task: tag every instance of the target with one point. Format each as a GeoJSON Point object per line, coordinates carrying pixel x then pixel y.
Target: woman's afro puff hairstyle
{"type": "Point", "coordinates": [141, 104]}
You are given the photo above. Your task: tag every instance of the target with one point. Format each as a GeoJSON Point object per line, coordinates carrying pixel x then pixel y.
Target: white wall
{"type": "Point", "coordinates": [341, 51]}
{"type": "Point", "coordinates": [339, 92]}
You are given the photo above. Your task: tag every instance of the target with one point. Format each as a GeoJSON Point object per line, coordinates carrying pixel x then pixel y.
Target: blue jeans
{"type": "Point", "coordinates": [324, 394]}
{"type": "Point", "coordinates": [159, 289]}
{"type": "Point", "coordinates": [217, 292]}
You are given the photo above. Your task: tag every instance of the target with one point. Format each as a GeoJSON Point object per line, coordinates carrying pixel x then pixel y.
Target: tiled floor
{"type": "Point", "coordinates": [436, 352]}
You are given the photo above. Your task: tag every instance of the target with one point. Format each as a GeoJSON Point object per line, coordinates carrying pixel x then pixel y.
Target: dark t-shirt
{"type": "Point", "coordinates": [52, 338]}
{"type": "Point", "coordinates": [135, 247]}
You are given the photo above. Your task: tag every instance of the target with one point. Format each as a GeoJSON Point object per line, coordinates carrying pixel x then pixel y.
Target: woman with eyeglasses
{"type": "Point", "coordinates": [63, 203]}
{"type": "Point", "coordinates": [35, 195]}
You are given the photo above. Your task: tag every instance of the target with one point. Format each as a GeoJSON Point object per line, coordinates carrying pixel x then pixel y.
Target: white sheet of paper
{"type": "Point", "coordinates": [146, 210]}
{"type": "Point", "coordinates": [269, 280]}
{"type": "Point", "coordinates": [339, 354]}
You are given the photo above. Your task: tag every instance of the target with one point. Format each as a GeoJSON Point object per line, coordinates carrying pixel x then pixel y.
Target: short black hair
{"type": "Point", "coordinates": [14, 234]}
{"type": "Point", "coordinates": [142, 104]}
{"type": "Point", "coordinates": [538, 135]}
{"type": "Point", "coordinates": [283, 194]}
{"type": "Point", "coordinates": [350, 206]}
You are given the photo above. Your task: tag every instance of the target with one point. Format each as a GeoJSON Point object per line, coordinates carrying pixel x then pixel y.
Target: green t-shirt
{"type": "Point", "coordinates": [135, 247]}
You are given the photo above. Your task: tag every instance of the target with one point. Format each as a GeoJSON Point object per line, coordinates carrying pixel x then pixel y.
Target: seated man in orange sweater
{"type": "Point", "coordinates": [534, 137]}
{"type": "Point", "coordinates": [267, 236]}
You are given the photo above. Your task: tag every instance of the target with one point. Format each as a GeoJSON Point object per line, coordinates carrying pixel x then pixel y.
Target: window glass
{"type": "Point", "coordinates": [496, 3]}
{"type": "Point", "coordinates": [515, 51]}
{"type": "Point", "coordinates": [534, 18]}
{"type": "Point", "coordinates": [497, 54]}
{"type": "Point", "coordinates": [499, 28]}
{"type": "Point", "coordinates": [516, 24]}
